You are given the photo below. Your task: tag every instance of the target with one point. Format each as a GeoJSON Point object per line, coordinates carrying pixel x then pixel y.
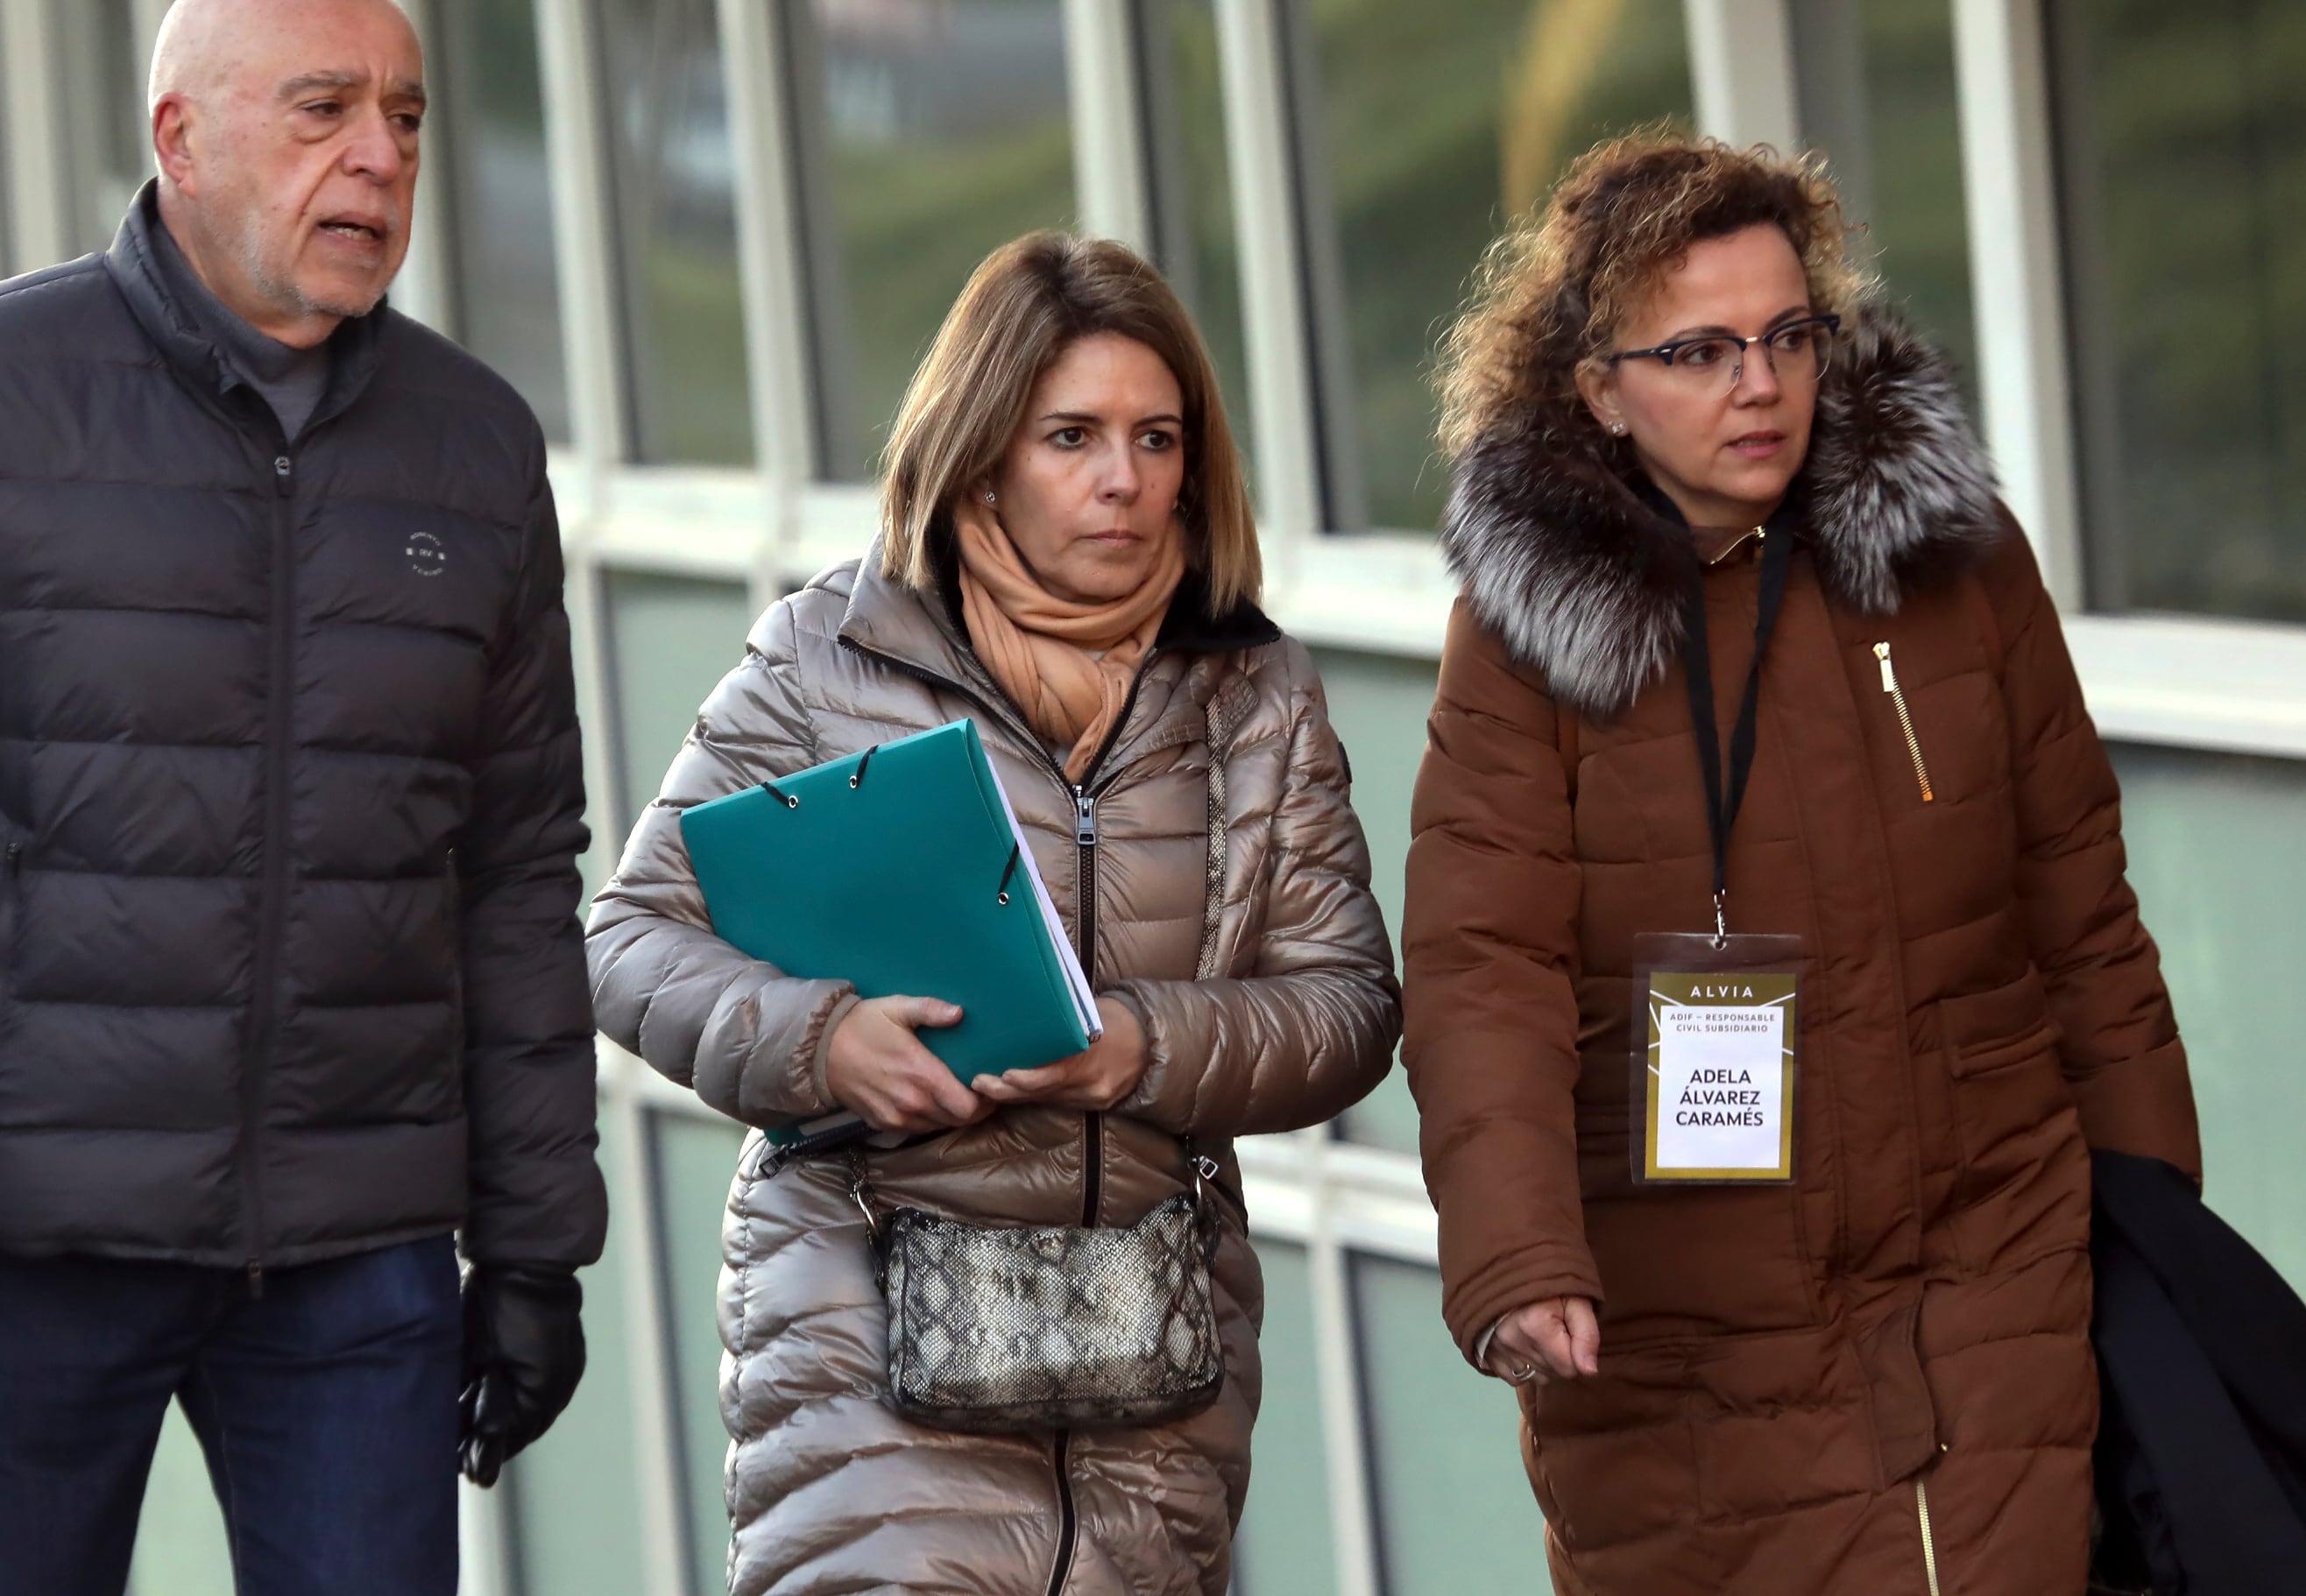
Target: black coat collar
{"type": "Point", "coordinates": [355, 348]}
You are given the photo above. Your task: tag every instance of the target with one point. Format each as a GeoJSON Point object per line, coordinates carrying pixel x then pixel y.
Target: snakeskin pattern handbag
{"type": "Point", "coordinates": [1004, 1329]}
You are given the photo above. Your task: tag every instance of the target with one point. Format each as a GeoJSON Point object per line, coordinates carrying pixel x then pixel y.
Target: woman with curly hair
{"type": "Point", "coordinates": [1754, 687]}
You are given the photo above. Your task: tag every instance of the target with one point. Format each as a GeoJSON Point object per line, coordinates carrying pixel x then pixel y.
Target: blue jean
{"type": "Point", "coordinates": [327, 1407]}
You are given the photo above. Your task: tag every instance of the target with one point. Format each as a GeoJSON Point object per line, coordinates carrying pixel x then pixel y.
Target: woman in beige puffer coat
{"type": "Point", "coordinates": [1208, 862]}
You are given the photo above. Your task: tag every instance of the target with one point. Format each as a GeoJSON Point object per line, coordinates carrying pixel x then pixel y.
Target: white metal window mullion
{"type": "Point", "coordinates": [661, 1469]}
{"type": "Point", "coordinates": [1104, 90]}
{"type": "Point", "coordinates": [584, 244]}
{"type": "Point", "coordinates": [575, 114]}
{"type": "Point", "coordinates": [2010, 190]}
{"type": "Point", "coordinates": [483, 1540]}
{"type": "Point", "coordinates": [1741, 60]}
{"type": "Point", "coordinates": [770, 252]}
{"type": "Point", "coordinates": [1260, 159]}
{"type": "Point", "coordinates": [39, 203]}
{"type": "Point", "coordinates": [1337, 1371]}
{"type": "Point", "coordinates": [584, 254]}
{"type": "Point", "coordinates": [632, 1199]}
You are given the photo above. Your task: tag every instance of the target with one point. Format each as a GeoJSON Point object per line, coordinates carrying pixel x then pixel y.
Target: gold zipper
{"type": "Point", "coordinates": [1905, 719]}
{"type": "Point", "coordinates": [1922, 1503]}
{"type": "Point", "coordinates": [1759, 534]}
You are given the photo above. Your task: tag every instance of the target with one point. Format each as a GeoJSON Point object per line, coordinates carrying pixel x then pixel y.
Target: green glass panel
{"type": "Point", "coordinates": [2184, 186]}
{"type": "Point", "coordinates": [675, 171]}
{"type": "Point", "coordinates": [2214, 857]}
{"type": "Point", "coordinates": [575, 1501]}
{"type": "Point", "coordinates": [669, 639]}
{"type": "Point", "coordinates": [1192, 188]}
{"type": "Point", "coordinates": [1878, 99]}
{"type": "Point", "coordinates": [1454, 1512]}
{"type": "Point", "coordinates": [1284, 1546]}
{"type": "Point", "coordinates": [97, 77]}
{"type": "Point", "coordinates": [507, 287]}
{"type": "Point", "coordinates": [1432, 124]}
{"type": "Point", "coordinates": [696, 1159]}
{"type": "Point", "coordinates": [181, 1548]}
{"type": "Point", "coordinates": [930, 135]}
{"type": "Point", "coordinates": [1379, 704]}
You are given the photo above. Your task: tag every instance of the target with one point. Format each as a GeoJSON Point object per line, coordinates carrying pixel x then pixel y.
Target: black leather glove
{"type": "Point", "coordinates": [524, 1354]}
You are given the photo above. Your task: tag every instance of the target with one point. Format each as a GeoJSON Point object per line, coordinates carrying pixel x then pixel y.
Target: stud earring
{"type": "Point", "coordinates": [1616, 428]}
{"type": "Point", "coordinates": [989, 496]}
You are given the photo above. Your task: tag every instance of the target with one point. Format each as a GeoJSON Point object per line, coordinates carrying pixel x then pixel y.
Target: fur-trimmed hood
{"type": "Point", "coordinates": [1558, 550]}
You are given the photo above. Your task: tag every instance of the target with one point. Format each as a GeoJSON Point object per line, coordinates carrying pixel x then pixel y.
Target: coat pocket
{"type": "Point", "coordinates": [2022, 1185]}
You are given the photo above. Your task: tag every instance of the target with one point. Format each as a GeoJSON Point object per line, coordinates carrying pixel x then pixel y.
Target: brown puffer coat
{"type": "Point", "coordinates": [1878, 1379]}
{"type": "Point", "coordinates": [1269, 1003]}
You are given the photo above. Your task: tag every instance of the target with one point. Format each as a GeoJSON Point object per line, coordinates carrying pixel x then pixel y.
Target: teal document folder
{"type": "Point", "coordinates": [902, 871]}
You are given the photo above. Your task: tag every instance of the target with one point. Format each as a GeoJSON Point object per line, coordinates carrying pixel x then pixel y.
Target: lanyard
{"type": "Point", "coordinates": [1720, 809]}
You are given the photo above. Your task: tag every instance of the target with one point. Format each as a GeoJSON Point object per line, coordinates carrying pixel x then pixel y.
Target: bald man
{"type": "Point", "coordinates": [292, 996]}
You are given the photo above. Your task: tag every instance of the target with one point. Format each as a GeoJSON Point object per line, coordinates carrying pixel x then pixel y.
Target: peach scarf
{"type": "Point", "coordinates": [1067, 665]}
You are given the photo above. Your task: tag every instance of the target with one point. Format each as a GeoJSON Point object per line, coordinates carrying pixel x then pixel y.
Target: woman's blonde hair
{"type": "Point", "coordinates": [1550, 294]}
{"type": "Point", "coordinates": [1029, 302]}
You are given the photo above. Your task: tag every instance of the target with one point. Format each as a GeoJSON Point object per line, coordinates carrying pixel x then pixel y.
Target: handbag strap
{"type": "Point", "coordinates": [861, 1190]}
{"type": "Point", "coordinates": [1201, 1173]}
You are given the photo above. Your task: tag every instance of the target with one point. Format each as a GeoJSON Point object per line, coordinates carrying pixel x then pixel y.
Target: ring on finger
{"type": "Point", "coordinates": [1520, 1374]}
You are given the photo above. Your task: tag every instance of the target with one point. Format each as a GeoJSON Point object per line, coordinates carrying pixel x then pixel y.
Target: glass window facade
{"type": "Point", "coordinates": [507, 287]}
{"type": "Point", "coordinates": [1427, 128]}
{"type": "Point", "coordinates": [917, 135]}
{"type": "Point", "coordinates": [574, 1504]}
{"type": "Point", "coordinates": [180, 1542]}
{"type": "Point", "coordinates": [8, 264]}
{"type": "Point", "coordinates": [1379, 704]}
{"type": "Point", "coordinates": [1878, 99]}
{"type": "Point", "coordinates": [2185, 199]}
{"type": "Point", "coordinates": [2214, 857]}
{"type": "Point", "coordinates": [927, 135]}
{"type": "Point", "coordinates": [1194, 239]}
{"type": "Point", "coordinates": [106, 148]}
{"type": "Point", "coordinates": [669, 640]}
{"type": "Point", "coordinates": [696, 1159]}
{"type": "Point", "coordinates": [1453, 1511]}
{"type": "Point", "coordinates": [676, 210]}
{"type": "Point", "coordinates": [1287, 1547]}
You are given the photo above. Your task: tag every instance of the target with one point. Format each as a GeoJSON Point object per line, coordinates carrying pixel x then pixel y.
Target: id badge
{"type": "Point", "coordinates": [1715, 1057]}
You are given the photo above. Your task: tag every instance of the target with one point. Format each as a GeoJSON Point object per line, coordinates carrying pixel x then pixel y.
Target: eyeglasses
{"type": "Point", "coordinates": [1796, 352]}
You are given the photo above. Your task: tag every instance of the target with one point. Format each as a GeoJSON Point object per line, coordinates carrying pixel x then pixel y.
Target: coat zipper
{"type": "Point", "coordinates": [1084, 796]}
{"type": "Point", "coordinates": [1068, 1514]}
{"type": "Point", "coordinates": [1929, 1541]}
{"type": "Point", "coordinates": [1905, 719]}
{"type": "Point", "coordinates": [1085, 939]}
{"type": "Point", "coordinates": [265, 971]}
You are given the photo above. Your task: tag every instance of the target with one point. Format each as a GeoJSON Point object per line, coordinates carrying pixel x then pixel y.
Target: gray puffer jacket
{"type": "Point", "coordinates": [1251, 951]}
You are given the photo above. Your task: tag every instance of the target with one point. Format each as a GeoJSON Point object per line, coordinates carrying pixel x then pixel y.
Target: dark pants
{"type": "Point", "coordinates": [327, 1407]}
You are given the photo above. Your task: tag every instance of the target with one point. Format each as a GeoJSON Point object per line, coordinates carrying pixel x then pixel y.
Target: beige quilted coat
{"type": "Point", "coordinates": [1258, 963]}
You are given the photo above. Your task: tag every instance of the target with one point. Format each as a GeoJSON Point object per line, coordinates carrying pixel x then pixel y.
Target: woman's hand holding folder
{"type": "Point", "coordinates": [1097, 1080]}
{"type": "Point", "coordinates": [876, 1068]}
